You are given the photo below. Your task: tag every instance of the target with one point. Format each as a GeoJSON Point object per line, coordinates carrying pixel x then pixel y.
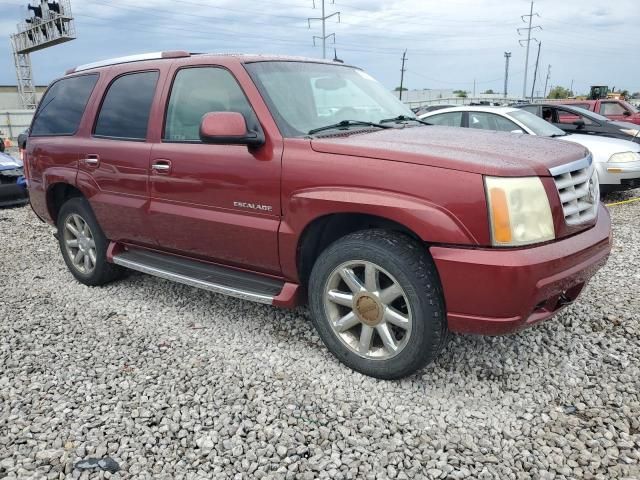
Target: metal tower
{"type": "Point", "coordinates": [51, 24]}
{"type": "Point", "coordinates": [323, 19]}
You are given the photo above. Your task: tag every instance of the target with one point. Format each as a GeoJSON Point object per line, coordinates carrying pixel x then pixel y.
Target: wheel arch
{"type": "Point", "coordinates": [325, 230]}
{"type": "Point", "coordinates": [317, 217]}
{"type": "Point", "coordinates": [57, 194]}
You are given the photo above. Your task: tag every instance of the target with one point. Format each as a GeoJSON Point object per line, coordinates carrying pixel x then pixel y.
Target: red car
{"type": "Point", "coordinates": [288, 181]}
{"type": "Point", "coordinates": [614, 109]}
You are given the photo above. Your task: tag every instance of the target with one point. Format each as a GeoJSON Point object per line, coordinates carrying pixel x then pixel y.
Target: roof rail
{"type": "Point", "coordinates": [131, 58]}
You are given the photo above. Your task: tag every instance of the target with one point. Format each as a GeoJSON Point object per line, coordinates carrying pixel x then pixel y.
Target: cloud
{"type": "Point", "coordinates": [449, 43]}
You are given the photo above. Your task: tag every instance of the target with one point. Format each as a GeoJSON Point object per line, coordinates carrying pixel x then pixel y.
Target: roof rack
{"type": "Point", "coordinates": [129, 59]}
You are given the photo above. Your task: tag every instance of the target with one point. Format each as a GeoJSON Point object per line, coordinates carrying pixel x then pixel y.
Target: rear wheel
{"type": "Point", "coordinates": [377, 303]}
{"type": "Point", "coordinates": [83, 245]}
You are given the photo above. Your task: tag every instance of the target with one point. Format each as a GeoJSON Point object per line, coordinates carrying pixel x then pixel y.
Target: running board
{"type": "Point", "coordinates": [235, 283]}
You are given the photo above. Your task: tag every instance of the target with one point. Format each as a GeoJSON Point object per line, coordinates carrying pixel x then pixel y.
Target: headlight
{"type": "Point", "coordinates": [624, 157]}
{"type": "Point", "coordinates": [519, 211]}
{"type": "Point", "coordinates": [630, 131]}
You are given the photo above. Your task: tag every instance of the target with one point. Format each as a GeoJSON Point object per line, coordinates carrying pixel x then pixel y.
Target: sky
{"type": "Point", "coordinates": [449, 43]}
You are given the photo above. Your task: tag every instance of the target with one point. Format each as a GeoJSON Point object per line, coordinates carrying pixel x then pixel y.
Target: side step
{"type": "Point", "coordinates": [235, 283]}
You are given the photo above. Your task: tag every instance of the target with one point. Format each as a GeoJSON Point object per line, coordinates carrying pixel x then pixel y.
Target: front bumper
{"type": "Point", "coordinates": [499, 291]}
{"type": "Point", "coordinates": [12, 194]}
{"type": "Point", "coordinates": [618, 174]}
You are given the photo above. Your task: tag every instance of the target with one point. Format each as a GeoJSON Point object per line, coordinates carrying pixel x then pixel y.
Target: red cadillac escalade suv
{"type": "Point", "coordinates": [285, 181]}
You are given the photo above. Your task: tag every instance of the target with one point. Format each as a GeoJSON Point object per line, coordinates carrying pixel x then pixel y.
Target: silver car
{"type": "Point", "coordinates": [617, 161]}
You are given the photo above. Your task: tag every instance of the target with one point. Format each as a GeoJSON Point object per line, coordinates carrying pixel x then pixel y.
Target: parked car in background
{"type": "Point", "coordinates": [430, 108]}
{"type": "Point", "coordinates": [22, 143]}
{"type": "Point", "coordinates": [617, 161]}
{"type": "Point", "coordinates": [13, 186]}
{"type": "Point", "coordinates": [286, 181]}
{"type": "Point", "coordinates": [619, 110]}
{"type": "Point", "coordinates": [572, 119]}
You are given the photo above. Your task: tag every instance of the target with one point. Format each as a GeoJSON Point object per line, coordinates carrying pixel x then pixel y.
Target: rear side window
{"type": "Point", "coordinates": [61, 109]}
{"type": "Point", "coordinates": [126, 106]}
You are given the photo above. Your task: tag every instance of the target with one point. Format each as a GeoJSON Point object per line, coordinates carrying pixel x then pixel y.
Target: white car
{"type": "Point", "coordinates": [617, 161]}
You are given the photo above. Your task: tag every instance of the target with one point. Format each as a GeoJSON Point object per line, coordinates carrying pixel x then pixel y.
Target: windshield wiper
{"type": "Point", "coordinates": [345, 124]}
{"type": "Point", "coordinates": [554, 135]}
{"type": "Point", "coordinates": [404, 118]}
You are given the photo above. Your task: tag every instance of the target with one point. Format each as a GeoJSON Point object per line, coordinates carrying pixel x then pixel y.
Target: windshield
{"type": "Point", "coordinates": [629, 106]}
{"type": "Point", "coordinates": [536, 124]}
{"type": "Point", "coordinates": [303, 96]}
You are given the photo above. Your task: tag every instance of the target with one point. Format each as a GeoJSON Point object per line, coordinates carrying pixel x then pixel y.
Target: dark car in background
{"type": "Point", "coordinates": [611, 108]}
{"type": "Point", "coordinates": [573, 119]}
{"type": "Point", "coordinates": [13, 186]}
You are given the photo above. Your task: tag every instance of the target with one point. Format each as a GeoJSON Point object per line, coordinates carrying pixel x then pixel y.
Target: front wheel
{"type": "Point", "coordinates": [377, 304]}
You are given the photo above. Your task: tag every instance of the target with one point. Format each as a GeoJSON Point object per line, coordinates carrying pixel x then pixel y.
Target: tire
{"type": "Point", "coordinates": [99, 272]}
{"type": "Point", "coordinates": [413, 321]}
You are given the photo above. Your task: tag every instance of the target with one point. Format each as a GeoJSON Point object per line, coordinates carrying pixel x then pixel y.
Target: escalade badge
{"type": "Point", "coordinates": [253, 206]}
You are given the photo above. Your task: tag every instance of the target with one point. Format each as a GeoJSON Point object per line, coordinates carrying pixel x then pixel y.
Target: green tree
{"type": "Point", "coordinates": [625, 93]}
{"type": "Point", "coordinates": [559, 92]}
{"type": "Point", "coordinates": [460, 93]}
{"type": "Point", "coordinates": [404, 89]}
{"type": "Point", "coordinates": [490, 92]}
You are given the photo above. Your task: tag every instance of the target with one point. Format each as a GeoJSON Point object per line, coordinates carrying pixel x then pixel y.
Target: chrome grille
{"type": "Point", "coordinates": [577, 184]}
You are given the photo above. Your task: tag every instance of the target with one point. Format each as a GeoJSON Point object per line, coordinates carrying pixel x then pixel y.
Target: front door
{"type": "Point", "coordinates": [217, 202]}
{"type": "Point", "coordinates": [614, 111]}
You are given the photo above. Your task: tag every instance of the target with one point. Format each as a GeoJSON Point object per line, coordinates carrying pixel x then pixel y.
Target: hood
{"type": "Point", "coordinates": [476, 151]}
{"type": "Point", "coordinates": [602, 147]}
{"type": "Point", "coordinates": [627, 125]}
{"type": "Point", "coordinates": [7, 162]}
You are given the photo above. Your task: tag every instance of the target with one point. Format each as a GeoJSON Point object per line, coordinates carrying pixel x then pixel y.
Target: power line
{"type": "Point", "coordinates": [324, 19]}
{"type": "Point", "coordinates": [528, 29]}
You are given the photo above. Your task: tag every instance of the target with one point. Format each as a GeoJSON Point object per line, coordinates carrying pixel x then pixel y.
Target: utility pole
{"type": "Point", "coordinates": [547, 80]}
{"type": "Point", "coordinates": [323, 19]}
{"type": "Point", "coordinates": [402, 70]}
{"type": "Point", "coordinates": [474, 88]}
{"type": "Point", "coordinates": [528, 42]}
{"type": "Point", "coordinates": [535, 72]}
{"type": "Point", "coordinates": [571, 89]}
{"type": "Point", "coordinates": [507, 56]}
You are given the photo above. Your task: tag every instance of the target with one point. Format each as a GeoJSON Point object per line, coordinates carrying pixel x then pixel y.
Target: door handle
{"type": "Point", "coordinates": [161, 166]}
{"type": "Point", "coordinates": [92, 160]}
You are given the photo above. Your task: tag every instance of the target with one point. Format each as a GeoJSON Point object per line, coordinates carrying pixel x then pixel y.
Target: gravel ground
{"type": "Point", "coordinates": [172, 382]}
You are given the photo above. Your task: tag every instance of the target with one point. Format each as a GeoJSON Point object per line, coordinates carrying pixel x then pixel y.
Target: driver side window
{"type": "Point", "coordinates": [197, 91]}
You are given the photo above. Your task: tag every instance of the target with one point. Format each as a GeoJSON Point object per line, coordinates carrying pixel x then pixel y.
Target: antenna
{"type": "Point", "coordinates": [51, 23]}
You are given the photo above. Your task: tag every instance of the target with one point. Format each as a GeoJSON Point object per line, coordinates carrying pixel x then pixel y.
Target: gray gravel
{"type": "Point", "coordinates": [173, 382]}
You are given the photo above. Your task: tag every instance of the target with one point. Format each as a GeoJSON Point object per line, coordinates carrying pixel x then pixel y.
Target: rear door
{"type": "Point", "coordinates": [220, 203]}
{"type": "Point", "coordinates": [114, 163]}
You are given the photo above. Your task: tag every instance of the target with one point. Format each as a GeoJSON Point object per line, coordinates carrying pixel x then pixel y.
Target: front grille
{"type": "Point", "coordinates": [577, 185]}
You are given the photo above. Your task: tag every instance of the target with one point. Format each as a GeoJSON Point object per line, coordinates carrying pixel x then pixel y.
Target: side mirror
{"type": "Point", "coordinates": [627, 113]}
{"type": "Point", "coordinates": [228, 128]}
{"type": "Point", "coordinates": [579, 124]}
